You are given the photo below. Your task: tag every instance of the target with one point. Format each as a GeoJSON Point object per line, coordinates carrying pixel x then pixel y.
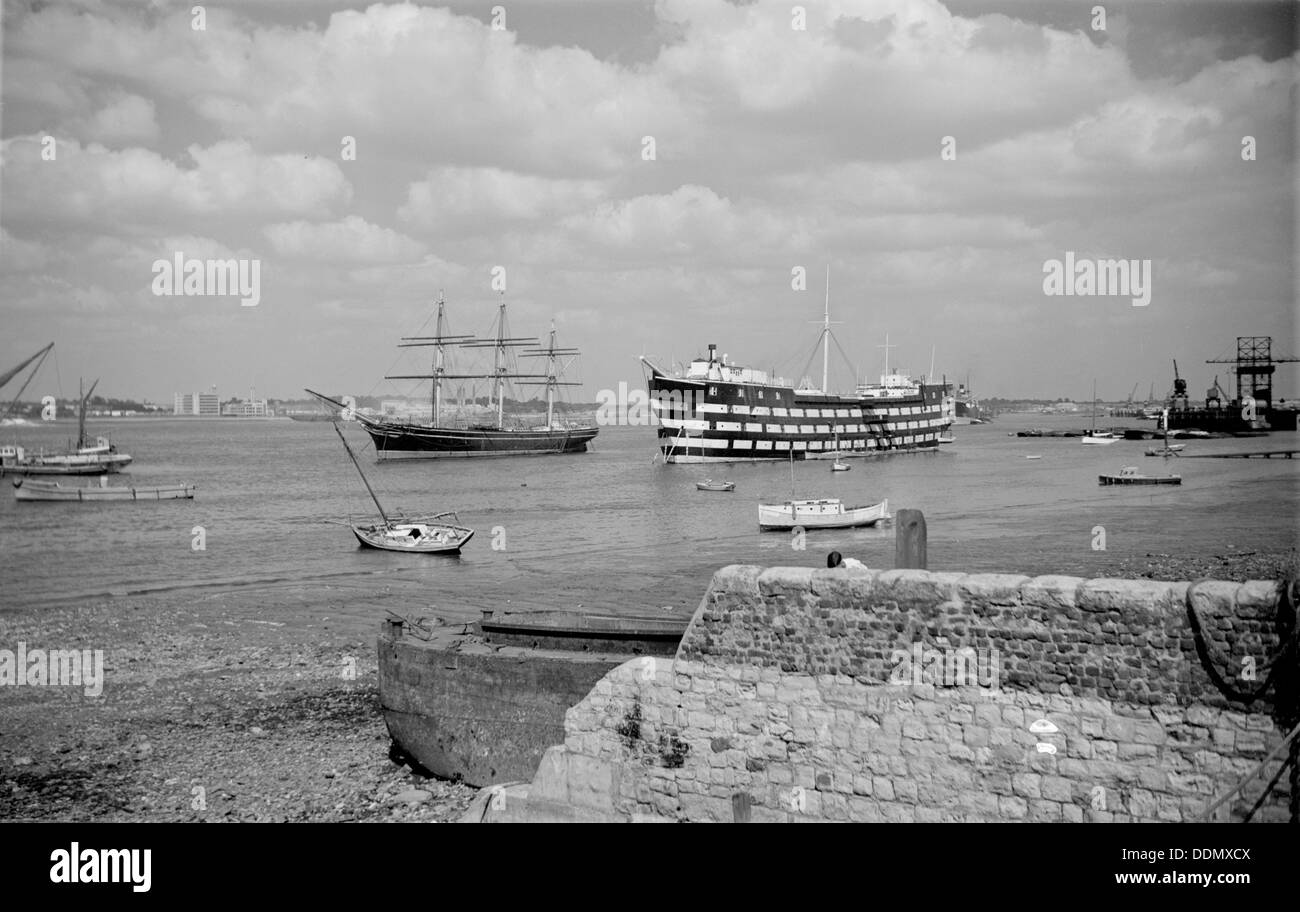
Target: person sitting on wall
{"type": "Point", "coordinates": [835, 559]}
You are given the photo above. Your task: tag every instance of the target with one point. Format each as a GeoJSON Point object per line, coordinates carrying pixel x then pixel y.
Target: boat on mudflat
{"type": "Point", "coordinates": [481, 702]}
{"type": "Point", "coordinates": [395, 532]}
{"type": "Point", "coordinates": [422, 536]}
{"type": "Point", "coordinates": [1129, 475]}
{"type": "Point", "coordinates": [26, 489]}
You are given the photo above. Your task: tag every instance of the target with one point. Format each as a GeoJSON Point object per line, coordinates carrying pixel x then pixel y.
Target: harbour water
{"type": "Point", "coordinates": [610, 530]}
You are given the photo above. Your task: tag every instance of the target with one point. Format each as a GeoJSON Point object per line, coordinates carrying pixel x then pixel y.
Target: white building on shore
{"type": "Point", "coordinates": [205, 404]}
{"type": "Point", "coordinates": [252, 407]}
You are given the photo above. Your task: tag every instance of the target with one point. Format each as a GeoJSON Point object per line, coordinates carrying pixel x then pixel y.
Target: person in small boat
{"type": "Point", "coordinates": [414, 533]}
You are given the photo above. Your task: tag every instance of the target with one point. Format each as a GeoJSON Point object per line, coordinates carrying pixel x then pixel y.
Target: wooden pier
{"type": "Point", "coordinates": [1263, 454]}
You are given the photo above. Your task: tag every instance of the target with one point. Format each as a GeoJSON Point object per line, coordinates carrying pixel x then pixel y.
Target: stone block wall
{"type": "Point", "coordinates": [1087, 701]}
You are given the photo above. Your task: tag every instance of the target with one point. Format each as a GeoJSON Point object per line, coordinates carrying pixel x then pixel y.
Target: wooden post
{"type": "Point", "coordinates": [909, 540]}
{"type": "Point", "coordinates": [740, 807]}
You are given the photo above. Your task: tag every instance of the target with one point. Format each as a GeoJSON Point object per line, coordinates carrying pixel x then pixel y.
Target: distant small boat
{"type": "Point", "coordinates": [819, 514]}
{"type": "Point", "coordinates": [25, 489]}
{"type": "Point", "coordinates": [1129, 475]}
{"type": "Point", "coordinates": [1168, 450]}
{"type": "Point", "coordinates": [838, 466]}
{"type": "Point", "coordinates": [1034, 457]}
{"type": "Point", "coordinates": [1095, 437]}
{"type": "Point", "coordinates": [948, 438]}
{"type": "Point", "coordinates": [710, 485]}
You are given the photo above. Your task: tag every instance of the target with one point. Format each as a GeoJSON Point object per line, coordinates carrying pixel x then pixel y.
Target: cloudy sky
{"type": "Point", "coordinates": [524, 147]}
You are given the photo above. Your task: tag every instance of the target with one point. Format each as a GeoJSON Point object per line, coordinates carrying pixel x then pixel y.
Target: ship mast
{"type": "Point", "coordinates": [553, 371]}
{"type": "Point", "coordinates": [81, 414]}
{"type": "Point", "coordinates": [387, 522]}
{"type": "Point", "coordinates": [439, 342]}
{"type": "Point", "coordinates": [886, 347]}
{"type": "Point", "coordinates": [438, 364]}
{"type": "Point", "coordinates": [826, 333]}
{"type": "Point", "coordinates": [498, 360]}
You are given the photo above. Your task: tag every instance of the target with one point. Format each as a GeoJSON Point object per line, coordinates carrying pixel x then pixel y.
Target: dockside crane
{"type": "Point", "coordinates": [1254, 366]}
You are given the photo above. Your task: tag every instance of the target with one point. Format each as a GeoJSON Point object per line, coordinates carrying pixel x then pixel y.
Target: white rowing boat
{"type": "Point", "coordinates": [28, 489]}
{"type": "Point", "coordinates": [820, 514]}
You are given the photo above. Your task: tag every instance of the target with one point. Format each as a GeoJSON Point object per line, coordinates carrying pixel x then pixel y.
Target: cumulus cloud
{"type": "Point", "coordinates": [124, 118]}
{"type": "Point", "coordinates": [450, 196]}
{"type": "Point", "coordinates": [352, 239]}
{"type": "Point", "coordinates": [94, 184]}
{"type": "Point", "coordinates": [775, 146]}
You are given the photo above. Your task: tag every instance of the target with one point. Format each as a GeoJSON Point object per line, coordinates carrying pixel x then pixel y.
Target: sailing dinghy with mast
{"type": "Point", "coordinates": [420, 535]}
{"type": "Point", "coordinates": [1095, 437]}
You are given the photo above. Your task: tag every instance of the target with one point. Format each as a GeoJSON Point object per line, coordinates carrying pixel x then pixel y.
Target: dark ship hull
{"type": "Point", "coordinates": [969, 412]}
{"type": "Point", "coordinates": [719, 421]}
{"type": "Point", "coordinates": [1226, 420]}
{"type": "Point", "coordinates": [403, 440]}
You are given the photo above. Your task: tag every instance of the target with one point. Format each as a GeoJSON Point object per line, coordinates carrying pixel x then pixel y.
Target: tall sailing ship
{"type": "Point", "coordinates": [405, 439]}
{"type": "Point", "coordinates": [723, 412]}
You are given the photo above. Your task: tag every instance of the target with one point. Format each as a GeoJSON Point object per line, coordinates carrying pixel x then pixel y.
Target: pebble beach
{"type": "Point", "coordinates": [213, 712]}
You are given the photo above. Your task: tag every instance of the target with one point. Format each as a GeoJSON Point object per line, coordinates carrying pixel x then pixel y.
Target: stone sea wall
{"type": "Point", "coordinates": [906, 695]}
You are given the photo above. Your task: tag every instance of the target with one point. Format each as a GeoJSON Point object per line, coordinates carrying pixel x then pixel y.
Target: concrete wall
{"type": "Point", "coordinates": [780, 704]}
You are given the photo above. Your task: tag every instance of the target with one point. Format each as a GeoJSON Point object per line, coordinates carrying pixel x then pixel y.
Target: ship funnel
{"type": "Point", "coordinates": [713, 349]}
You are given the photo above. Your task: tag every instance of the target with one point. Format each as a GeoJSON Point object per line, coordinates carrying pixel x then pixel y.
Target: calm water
{"type": "Point", "coordinates": [607, 529]}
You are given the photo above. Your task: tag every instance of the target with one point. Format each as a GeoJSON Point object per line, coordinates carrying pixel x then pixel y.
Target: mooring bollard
{"type": "Point", "coordinates": [909, 540]}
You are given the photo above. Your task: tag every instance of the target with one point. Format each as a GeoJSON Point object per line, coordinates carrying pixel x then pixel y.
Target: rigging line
{"type": "Point", "coordinates": [1268, 789]}
{"type": "Point", "coordinates": [58, 374]}
{"type": "Point", "coordinates": [845, 355]}
{"type": "Point", "coordinates": [810, 359]}
{"type": "Point", "coordinates": [1206, 814]}
{"type": "Point", "coordinates": [398, 357]}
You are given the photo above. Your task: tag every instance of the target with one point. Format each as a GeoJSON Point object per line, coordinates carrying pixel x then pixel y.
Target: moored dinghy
{"type": "Point", "coordinates": [709, 484]}
{"type": "Point", "coordinates": [26, 489]}
{"type": "Point", "coordinates": [1129, 475]}
{"type": "Point", "coordinates": [819, 514]}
